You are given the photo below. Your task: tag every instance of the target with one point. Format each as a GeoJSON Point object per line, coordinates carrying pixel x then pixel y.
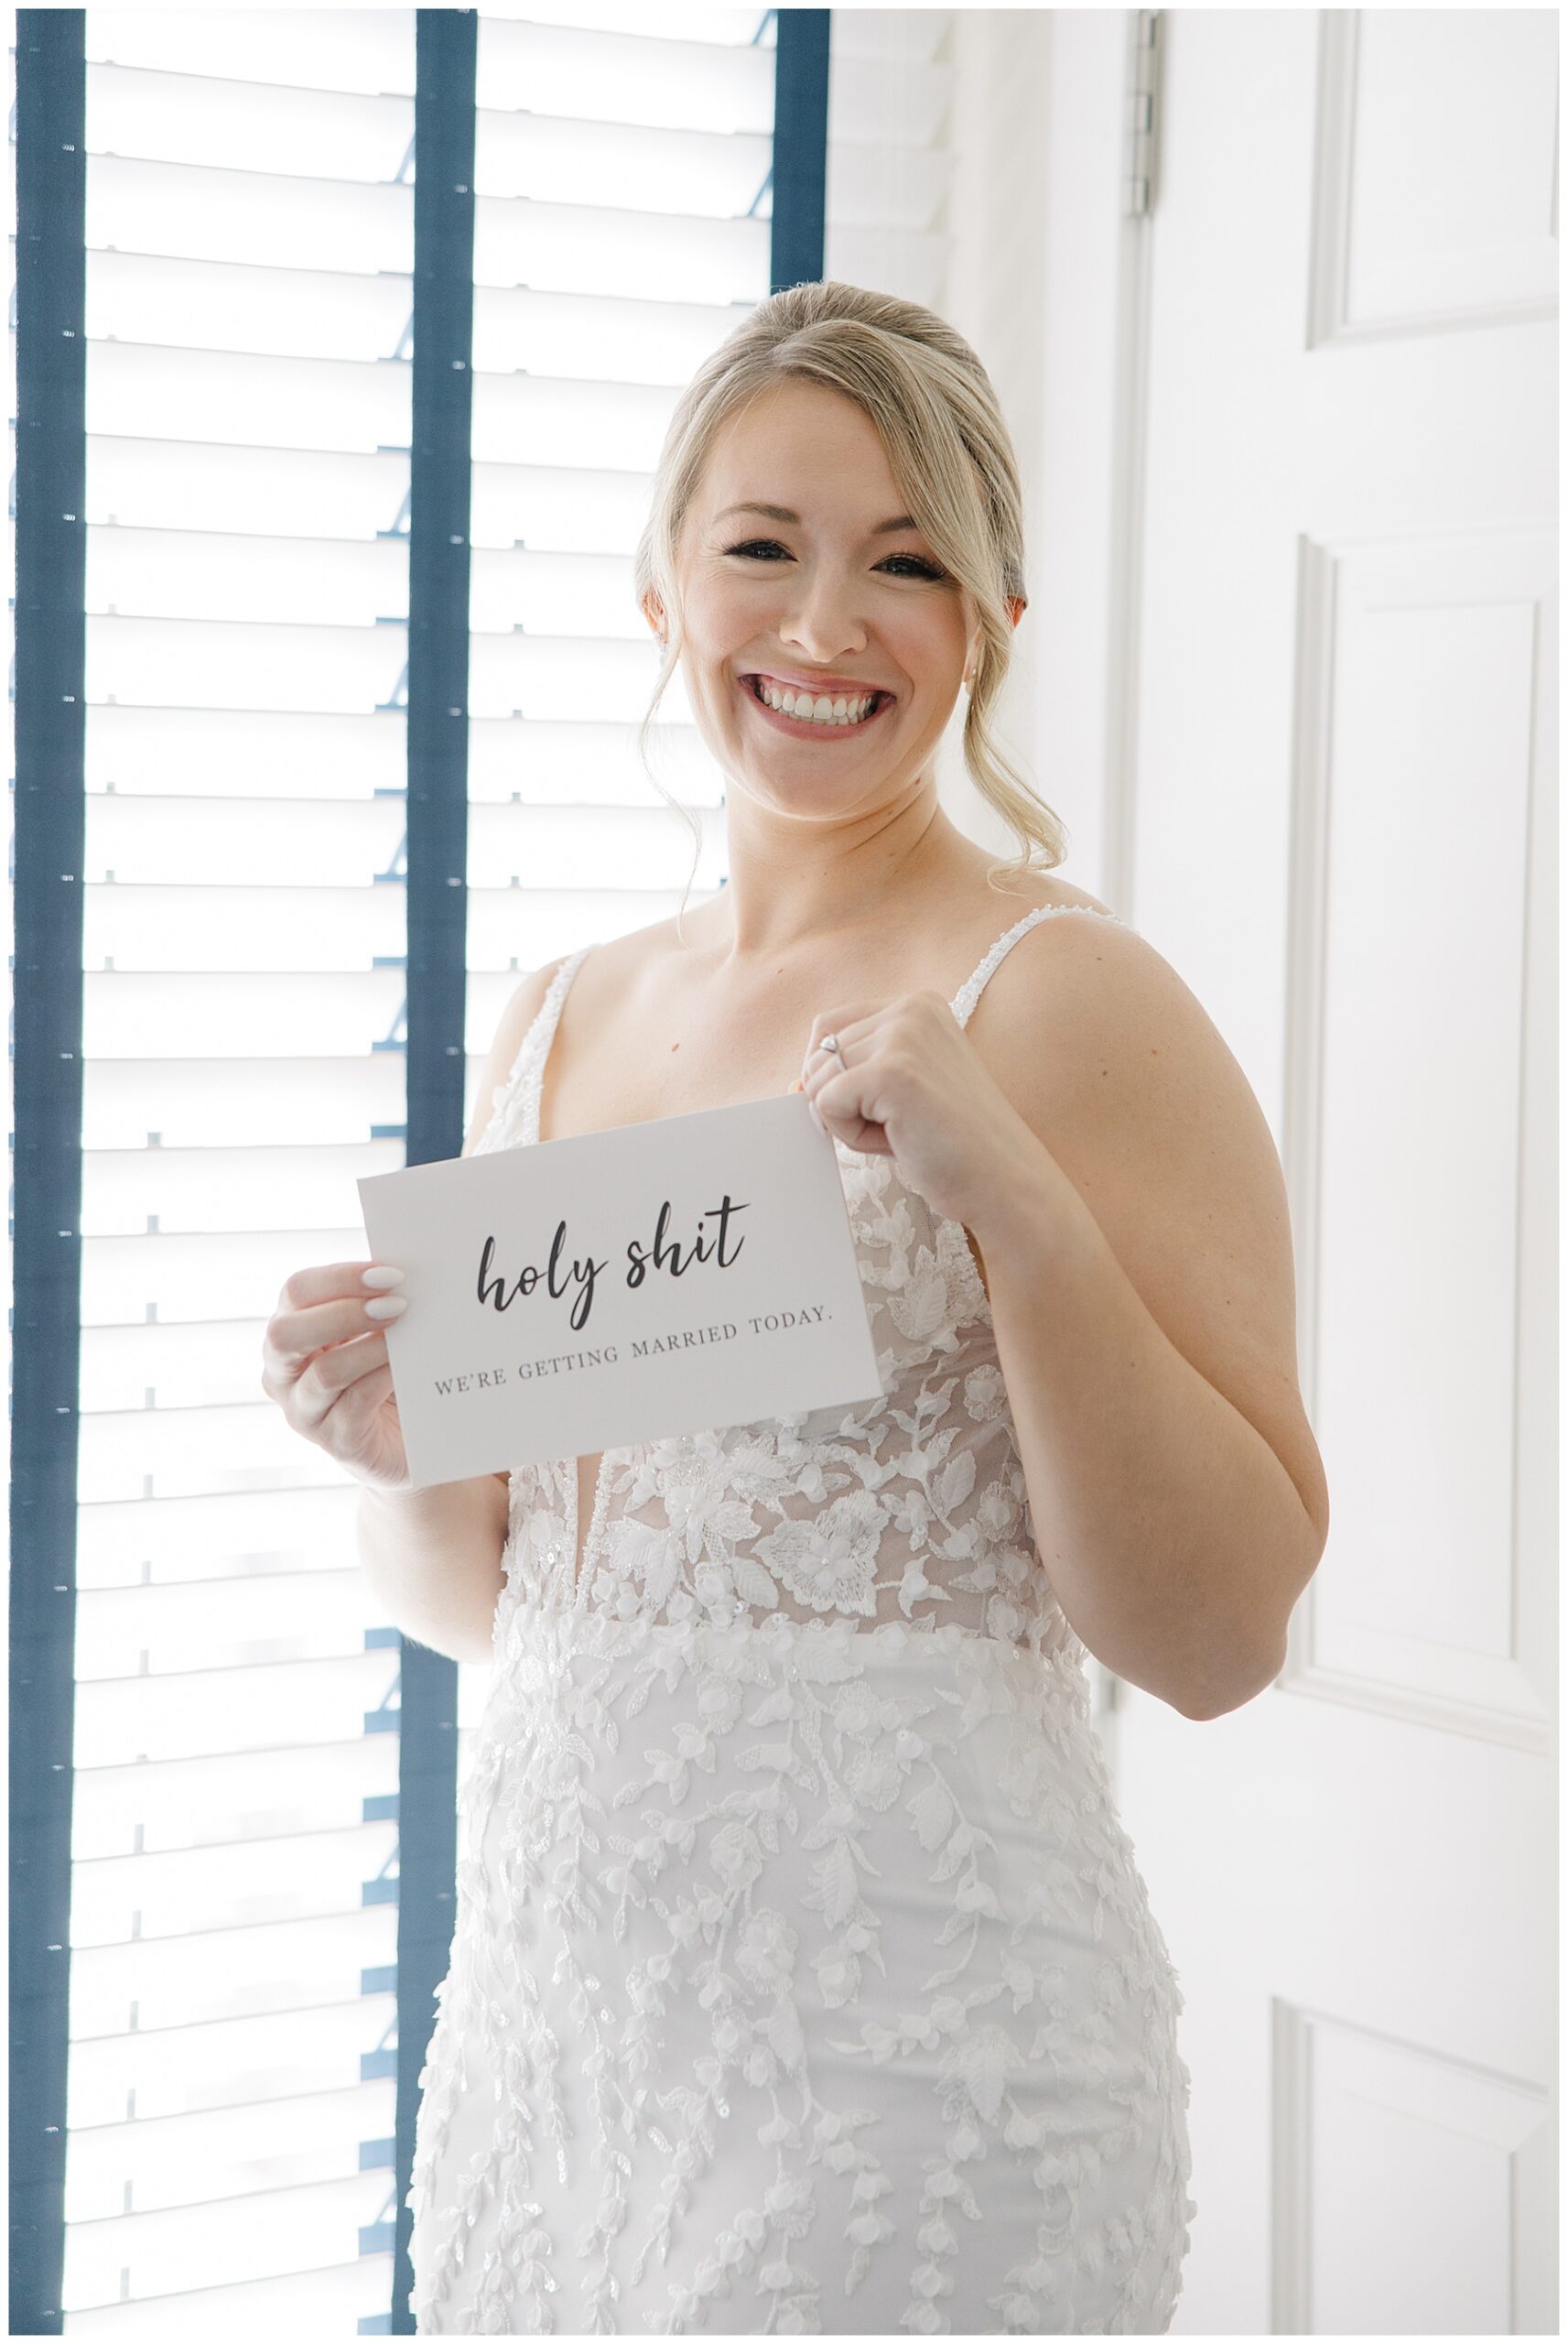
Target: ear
{"type": "Point", "coordinates": [653, 611]}
{"type": "Point", "coordinates": [1017, 604]}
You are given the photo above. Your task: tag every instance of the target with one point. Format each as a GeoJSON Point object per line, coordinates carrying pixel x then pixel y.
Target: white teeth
{"type": "Point", "coordinates": [821, 710]}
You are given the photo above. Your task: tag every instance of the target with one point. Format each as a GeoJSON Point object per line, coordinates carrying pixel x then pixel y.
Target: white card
{"type": "Point", "coordinates": [624, 1287]}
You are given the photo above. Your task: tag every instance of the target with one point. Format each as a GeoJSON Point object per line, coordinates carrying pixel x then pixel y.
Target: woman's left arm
{"type": "Point", "coordinates": [1135, 1232]}
{"type": "Point", "coordinates": [1104, 1149]}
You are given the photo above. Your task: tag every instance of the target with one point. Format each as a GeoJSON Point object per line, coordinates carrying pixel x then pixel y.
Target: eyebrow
{"type": "Point", "coordinates": [783, 513]}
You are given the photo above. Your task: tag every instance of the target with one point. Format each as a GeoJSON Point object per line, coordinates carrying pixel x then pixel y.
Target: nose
{"type": "Point", "coordinates": [821, 621]}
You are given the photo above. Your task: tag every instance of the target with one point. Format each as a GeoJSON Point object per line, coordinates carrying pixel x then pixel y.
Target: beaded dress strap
{"type": "Point", "coordinates": [962, 1002]}
{"type": "Point", "coordinates": [515, 1104]}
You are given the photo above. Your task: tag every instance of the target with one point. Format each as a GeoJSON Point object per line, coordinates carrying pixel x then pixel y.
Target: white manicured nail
{"type": "Point", "coordinates": [389, 1306]}
{"type": "Point", "coordinates": [382, 1277]}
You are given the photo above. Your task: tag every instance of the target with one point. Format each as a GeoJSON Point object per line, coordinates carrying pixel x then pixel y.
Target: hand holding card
{"type": "Point", "coordinates": [324, 1362]}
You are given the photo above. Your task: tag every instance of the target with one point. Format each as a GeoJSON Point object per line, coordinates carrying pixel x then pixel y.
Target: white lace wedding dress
{"type": "Point", "coordinates": [803, 1980]}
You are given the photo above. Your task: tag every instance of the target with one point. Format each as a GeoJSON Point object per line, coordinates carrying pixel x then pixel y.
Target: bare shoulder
{"type": "Point", "coordinates": [1118, 1068]}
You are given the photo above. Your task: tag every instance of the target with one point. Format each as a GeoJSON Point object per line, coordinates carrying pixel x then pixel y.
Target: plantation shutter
{"type": "Point", "coordinates": [231, 2060]}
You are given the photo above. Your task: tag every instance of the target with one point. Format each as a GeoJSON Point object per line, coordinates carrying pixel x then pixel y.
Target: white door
{"type": "Point", "coordinates": [1340, 827]}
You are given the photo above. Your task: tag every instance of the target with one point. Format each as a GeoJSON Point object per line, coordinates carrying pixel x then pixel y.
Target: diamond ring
{"type": "Point", "coordinates": [830, 1042]}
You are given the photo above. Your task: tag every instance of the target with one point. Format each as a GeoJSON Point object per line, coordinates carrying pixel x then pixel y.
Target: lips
{"type": "Point", "coordinates": [801, 728]}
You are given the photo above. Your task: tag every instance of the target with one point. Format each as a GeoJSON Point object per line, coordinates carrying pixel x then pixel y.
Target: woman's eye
{"type": "Point", "coordinates": [921, 568]}
{"type": "Point", "coordinates": [757, 549]}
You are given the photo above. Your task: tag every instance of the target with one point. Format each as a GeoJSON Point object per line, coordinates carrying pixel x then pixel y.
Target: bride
{"type": "Point", "coordinates": [803, 1977]}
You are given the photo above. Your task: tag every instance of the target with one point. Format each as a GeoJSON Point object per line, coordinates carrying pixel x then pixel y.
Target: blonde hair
{"type": "Point", "coordinates": [949, 450]}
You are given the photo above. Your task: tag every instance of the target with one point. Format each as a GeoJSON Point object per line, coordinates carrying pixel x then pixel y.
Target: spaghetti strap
{"type": "Point", "coordinates": [515, 1104]}
{"type": "Point", "coordinates": [962, 1002]}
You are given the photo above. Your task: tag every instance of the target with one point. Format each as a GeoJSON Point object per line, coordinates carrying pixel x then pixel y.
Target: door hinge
{"type": "Point", "coordinates": [1143, 112]}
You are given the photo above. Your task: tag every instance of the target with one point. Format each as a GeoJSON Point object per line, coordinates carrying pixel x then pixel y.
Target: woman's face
{"type": "Point", "coordinates": [830, 595]}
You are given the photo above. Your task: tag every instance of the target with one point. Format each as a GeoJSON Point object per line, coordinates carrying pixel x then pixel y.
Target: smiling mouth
{"type": "Point", "coordinates": [807, 712]}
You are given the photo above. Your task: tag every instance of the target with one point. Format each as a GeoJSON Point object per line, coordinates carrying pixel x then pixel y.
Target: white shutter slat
{"type": "Point", "coordinates": [260, 1017]}
{"type": "Point", "coordinates": [352, 50]}
{"type": "Point", "coordinates": [211, 1363]}
{"type": "Point", "coordinates": [200, 212]}
{"type": "Point", "coordinates": [209, 1189]}
{"type": "Point", "coordinates": [555, 508]}
{"type": "Point", "coordinates": [339, 843]}
{"type": "Point", "coordinates": [557, 677]}
{"type": "Point", "coordinates": [637, 79]}
{"type": "Point", "coordinates": [157, 1894]}
{"type": "Point", "coordinates": [204, 1271]}
{"type": "Point", "coordinates": [596, 337]}
{"type": "Point", "coordinates": [185, 1450]}
{"type": "Point", "coordinates": [225, 2152]}
{"type": "Point", "coordinates": [567, 425]}
{"type": "Point", "coordinates": [266, 1705]}
{"type": "Point", "coordinates": [588, 248]}
{"type": "Point", "coordinates": [583, 594]}
{"type": "Point", "coordinates": [134, 112]}
{"type": "Point", "coordinates": [248, 399]}
{"type": "Point", "coordinates": [187, 1802]}
{"type": "Point", "coordinates": [181, 573]}
{"type": "Point", "coordinates": [120, 1541]}
{"type": "Point", "coordinates": [268, 2230]}
{"type": "Point", "coordinates": [243, 929]}
{"type": "Point", "coordinates": [737, 28]}
{"type": "Point", "coordinates": [585, 762]}
{"type": "Point", "coordinates": [140, 480]}
{"type": "Point", "coordinates": [228, 1624]}
{"type": "Point", "coordinates": [221, 305]}
{"type": "Point", "coordinates": [705, 174]}
{"type": "Point", "coordinates": [214, 1102]}
{"type": "Point", "coordinates": [278, 2056]}
{"type": "Point", "coordinates": [228, 1973]}
{"type": "Point", "coordinates": [340, 2299]}
{"type": "Point", "coordinates": [253, 753]}
{"type": "Point", "coordinates": [173, 660]}
{"type": "Point", "coordinates": [548, 846]}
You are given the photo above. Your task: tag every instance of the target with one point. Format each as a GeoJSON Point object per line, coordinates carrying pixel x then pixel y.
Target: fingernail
{"type": "Point", "coordinates": [389, 1307]}
{"type": "Point", "coordinates": [382, 1277]}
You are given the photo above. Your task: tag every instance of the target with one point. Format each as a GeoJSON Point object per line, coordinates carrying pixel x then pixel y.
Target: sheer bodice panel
{"type": "Point", "coordinates": [910, 1507]}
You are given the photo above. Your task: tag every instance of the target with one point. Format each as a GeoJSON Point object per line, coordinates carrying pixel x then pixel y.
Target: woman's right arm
{"type": "Point", "coordinates": [432, 1555]}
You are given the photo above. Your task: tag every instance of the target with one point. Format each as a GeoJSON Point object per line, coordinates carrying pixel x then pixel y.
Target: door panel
{"type": "Point", "coordinates": [1342, 815]}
